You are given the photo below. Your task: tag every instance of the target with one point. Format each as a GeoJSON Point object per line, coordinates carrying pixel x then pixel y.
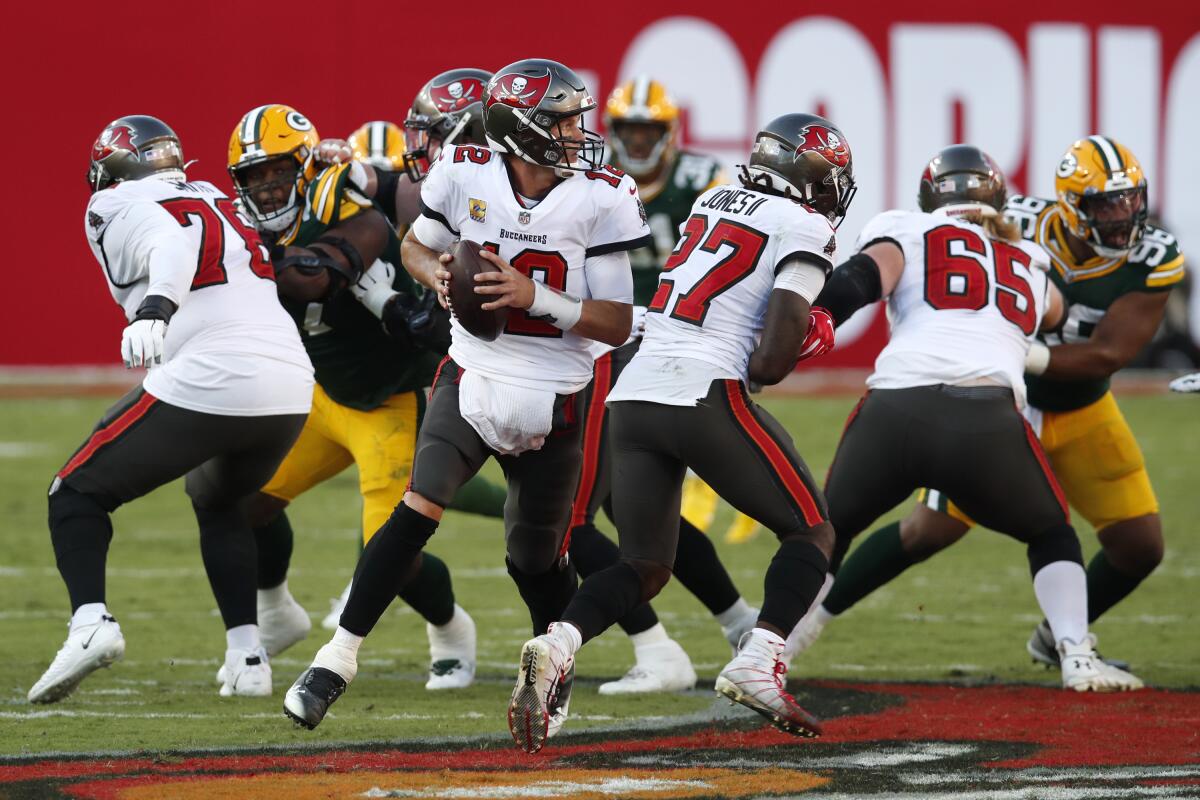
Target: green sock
{"type": "Point", "coordinates": [1106, 585]}
{"type": "Point", "coordinates": [872, 564]}
{"type": "Point", "coordinates": [480, 496]}
{"type": "Point", "coordinates": [430, 592]}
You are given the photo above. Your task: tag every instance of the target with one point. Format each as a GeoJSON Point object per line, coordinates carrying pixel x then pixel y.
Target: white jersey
{"type": "Point", "coordinates": [712, 295]}
{"type": "Point", "coordinates": [559, 241]}
{"type": "Point", "coordinates": [966, 307]}
{"type": "Point", "coordinates": [230, 347]}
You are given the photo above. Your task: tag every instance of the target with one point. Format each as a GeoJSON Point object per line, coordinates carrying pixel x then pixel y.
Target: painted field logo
{"type": "Point", "coordinates": [894, 741]}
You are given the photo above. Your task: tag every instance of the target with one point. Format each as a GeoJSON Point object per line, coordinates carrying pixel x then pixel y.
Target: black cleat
{"type": "Point", "coordinates": [310, 697]}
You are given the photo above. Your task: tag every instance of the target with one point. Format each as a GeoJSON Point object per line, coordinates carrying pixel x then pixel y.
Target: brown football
{"type": "Point", "coordinates": [465, 303]}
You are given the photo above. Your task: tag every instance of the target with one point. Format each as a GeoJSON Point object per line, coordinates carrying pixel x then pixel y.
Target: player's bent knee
{"type": "Point", "coordinates": [262, 509]}
{"type": "Point", "coordinates": [925, 532]}
{"type": "Point", "coordinates": [1134, 546]}
{"type": "Point", "coordinates": [1057, 543]}
{"type": "Point", "coordinates": [423, 505]}
{"type": "Point", "coordinates": [66, 503]}
{"type": "Point", "coordinates": [652, 576]}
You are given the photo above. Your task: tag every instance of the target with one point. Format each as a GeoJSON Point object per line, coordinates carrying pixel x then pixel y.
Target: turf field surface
{"type": "Point", "coordinates": [961, 618]}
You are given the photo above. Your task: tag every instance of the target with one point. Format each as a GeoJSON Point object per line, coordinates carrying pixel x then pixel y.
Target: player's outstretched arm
{"type": "Point", "coordinates": [864, 278]}
{"type": "Point", "coordinates": [1124, 330]}
{"type": "Point", "coordinates": [335, 260]}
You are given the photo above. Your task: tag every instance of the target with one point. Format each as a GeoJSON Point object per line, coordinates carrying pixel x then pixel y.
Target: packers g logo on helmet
{"type": "Point", "coordinates": [1101, 191]}
{"type": "Point", "coordinates": [380, 144]}
{"type": "Point", "coordinates": [642, 123]}
{"type": "Point", "coordinates": [271, 163]}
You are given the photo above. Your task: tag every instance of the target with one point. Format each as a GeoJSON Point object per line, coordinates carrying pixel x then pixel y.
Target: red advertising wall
{"type": "Point", "coordinates": [901, 79]}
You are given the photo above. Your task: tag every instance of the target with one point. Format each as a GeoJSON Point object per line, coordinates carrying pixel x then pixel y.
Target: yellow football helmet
{"type": "Point", "coordinates": [380, 144]}
{"type": "Point", "coordinates": [1101, 193]}
{"type": "Point", "coordinates": [642, 122]}
{"type": "Point", "coordinates": [271, 163]}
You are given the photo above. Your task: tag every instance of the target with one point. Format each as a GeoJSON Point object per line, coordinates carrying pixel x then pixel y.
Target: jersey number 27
{"type": "Point", "coordinates": [746, 246]}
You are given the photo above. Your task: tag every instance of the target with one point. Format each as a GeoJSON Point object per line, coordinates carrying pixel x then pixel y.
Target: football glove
{"type": "Point", "coordinates": [142, 342]}
{"type": "Point", "coordinates": [418, 322]}
{"type": "Point", "coordinates": [820, 338]}
{"type": "Point", "coordinates": [1187, 383]}
{"type": "Point", "coordinates": [374, 287]}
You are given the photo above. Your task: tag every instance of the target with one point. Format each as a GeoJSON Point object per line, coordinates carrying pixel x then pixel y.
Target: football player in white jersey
{"type": "Point", "coordinates": [557, 225]}
{"type": "Point", "coordinates": [732, 306]}
{"type": "Point", "coordinates": [227, 393]}
{"type": "Point", "coordinates": [966, 297]}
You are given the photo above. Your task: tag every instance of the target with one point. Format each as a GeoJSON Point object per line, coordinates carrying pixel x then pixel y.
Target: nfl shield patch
{"type": "Point", "coordinates": [477, 209]}
{"type": "Point", "coordinates": [524, 217]}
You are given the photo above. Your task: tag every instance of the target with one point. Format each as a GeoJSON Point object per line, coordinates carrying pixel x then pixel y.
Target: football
{"type": "Point", "coordinates": [465, 303]}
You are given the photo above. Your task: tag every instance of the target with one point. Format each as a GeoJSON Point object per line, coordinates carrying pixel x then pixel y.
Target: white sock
{"type": "Point", "coordinates": [822, 617]}
{"type": "Point", "coordinates": [88, 614]}
{"type": "Point", "coordinates": [455, 621]}
{"type": "Point", "coordinates": [345, 639]}
{"type": "Point", "coordinates": [242, 637]}
{"type": "Point", "coordinates": [734, 613]}
{"type": "Point", "coordinates": [567, 634]}
{"type": "Point", "coordinates": [774, 639]}
{"type": "Point", "coordinates": [655, 635]}
{"type": "Point", "coordinates": [275, 596]}
{"type": "Point", "coordinates": [1061, 589]}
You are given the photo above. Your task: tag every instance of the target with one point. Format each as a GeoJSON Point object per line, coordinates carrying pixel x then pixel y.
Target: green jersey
{"type": "Point", "coordinates": [1154, 265]}
{"type": "Point", "coordinates": [354, 359]}
{"type": "Point", "coordinates": [688, 177]}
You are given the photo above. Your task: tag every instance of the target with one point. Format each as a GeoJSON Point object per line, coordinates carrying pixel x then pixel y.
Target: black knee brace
{"type": "Point", "coordinates": [1058, 543]}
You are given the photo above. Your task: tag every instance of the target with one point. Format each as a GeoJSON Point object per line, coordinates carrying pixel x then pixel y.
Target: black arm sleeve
{"type": "Point", "coordinates": [853, 285]}
{"type": "Point", "coordinates": [385, 193]}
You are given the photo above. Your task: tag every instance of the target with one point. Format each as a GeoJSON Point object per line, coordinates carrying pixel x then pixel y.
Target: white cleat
{"type": "Point", "coordinates": [246, 673]}
{"type": "Point", "coordinates": [660, 667]}
{"type": "Point", "coordinates": [451, 652]}
{"type": "Point", "coordinates": [282, 626]}
{"type": "Point", "coordinates": [543, 691]}
{"type": "Point", "coordinates": [87, 649]}
{"type": "Point", "coordinates": [336, 606]}
{"type": "Point", "coordinates": [756, 678]}
{"type": "Point", "coordinates": [1084, 671]}
{"type": "Point", "coordinates": [735, 632]}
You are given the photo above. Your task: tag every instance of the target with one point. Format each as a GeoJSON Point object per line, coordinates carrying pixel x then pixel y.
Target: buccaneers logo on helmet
{"type": "Point", "coordinates": [825, 143]}
{"type": "Point", "coordinates": [112, 139]}
{"type": "Point", "coordinates": [456, 95]}
{"type": "Point", "coordinates": [517, 90]}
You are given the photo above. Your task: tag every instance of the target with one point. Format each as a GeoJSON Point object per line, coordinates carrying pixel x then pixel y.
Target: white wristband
{"type": "Point", "coordinates": [1037, 359]}
{"type": "Point", "coordinates": [558, 308]}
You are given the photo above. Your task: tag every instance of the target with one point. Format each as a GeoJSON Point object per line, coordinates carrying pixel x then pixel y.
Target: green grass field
{"type": "Point", "coordinates": [964, 615]}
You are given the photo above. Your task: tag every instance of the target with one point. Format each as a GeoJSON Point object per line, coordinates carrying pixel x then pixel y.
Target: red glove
{"type": "Point", "coordinates": [820, 338]}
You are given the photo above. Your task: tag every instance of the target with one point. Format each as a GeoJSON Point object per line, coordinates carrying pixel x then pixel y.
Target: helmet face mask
{"type": "Point", "coordinates": [448, 110]}
{"type": "Point", "coordinates": [268, 190]}
{"type": "Point", "coordinates": [1116, 220]}
{"type": "Point", "coordinates": [804, 158]}
{"type": "Point", "coordinates": [1102, 195]}
{"type": "Point", "coordinates": [642, 122]}
{"type": "Point", "coordinates": [534, 111]}
{"type": "Point", "coordinates": [270, 144]}
{"type": "Point", "coordinates": [133, 147]}
{"type": "Point", "coordinates": [640, 147]}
